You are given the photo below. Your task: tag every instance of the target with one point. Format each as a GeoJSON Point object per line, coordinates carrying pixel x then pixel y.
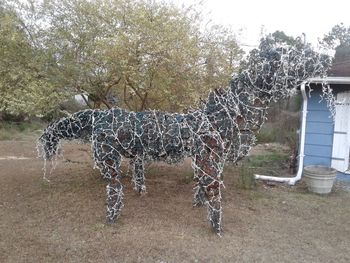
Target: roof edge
{"type": "Point", "coordinates": [330, 80]}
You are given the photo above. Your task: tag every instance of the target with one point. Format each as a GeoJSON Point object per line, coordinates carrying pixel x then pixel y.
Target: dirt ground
{"type": "Point", "coordinates": [64, 220]}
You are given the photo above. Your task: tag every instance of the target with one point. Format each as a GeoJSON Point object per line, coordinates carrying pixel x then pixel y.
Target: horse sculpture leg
{"type": "Point", "coordinates": [108, 161]}
{"type": "Point", "coordinates": [138, 174]}
{"type": "Point", "coordinates": [114, 198]}
{"type": "Point", "coordinates": [208, 167]}
{"type": "Point", "coordinates": [200, 196]}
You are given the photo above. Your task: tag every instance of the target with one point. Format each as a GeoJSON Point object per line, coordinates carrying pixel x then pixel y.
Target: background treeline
{"type": "Point", "coordinates": [135, 54]}
{"type": "Point", "coordinates": [130, 53]}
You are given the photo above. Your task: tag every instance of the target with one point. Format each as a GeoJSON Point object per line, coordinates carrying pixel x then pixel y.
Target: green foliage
{"type": "Point", "coordinates": [281, 37]}
{"type": "Point", "coordinates": [267, 160]}
{"type": "Point", "coordinates": [338, 36]}
{"type": "Point", "coordinates": [222, 56]}
{"type": "Point", "coordinates": [338, 39]}
{"type": "Point", "coordinates": [342, 53]}
{"type": "Point", "coordinates": [24, 83]}
{"type": "Point", "coordinates": [148, 54]}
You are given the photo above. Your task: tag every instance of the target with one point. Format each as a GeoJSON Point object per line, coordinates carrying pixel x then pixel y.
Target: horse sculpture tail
{"type": "Point", "coordinates": [76, 126]}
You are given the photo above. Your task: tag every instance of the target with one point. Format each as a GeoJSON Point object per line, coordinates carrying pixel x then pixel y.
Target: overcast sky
{"type": "Point", "coordinates": [294, 17]}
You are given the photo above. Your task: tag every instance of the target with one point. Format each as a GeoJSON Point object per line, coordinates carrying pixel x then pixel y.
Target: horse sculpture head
{"type": "Point", "coordinates": [47, 144]}
{"type": "Point", "coordinates": [274, 70]}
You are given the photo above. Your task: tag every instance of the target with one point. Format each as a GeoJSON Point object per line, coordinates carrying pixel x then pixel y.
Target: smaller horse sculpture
{"type": "Point", "coordinates": [221, 129]}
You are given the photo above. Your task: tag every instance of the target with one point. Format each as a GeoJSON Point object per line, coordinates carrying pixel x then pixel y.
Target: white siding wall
{"type": "Point", "coordinates": [341, 138]}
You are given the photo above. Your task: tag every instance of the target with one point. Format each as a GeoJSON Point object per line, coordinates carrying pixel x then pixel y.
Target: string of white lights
{"type": "Point", "coordinates": [222, 129]}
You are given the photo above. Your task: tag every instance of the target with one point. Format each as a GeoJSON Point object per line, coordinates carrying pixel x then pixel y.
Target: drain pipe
{"type": "Point", "coordinates": [293, 180]}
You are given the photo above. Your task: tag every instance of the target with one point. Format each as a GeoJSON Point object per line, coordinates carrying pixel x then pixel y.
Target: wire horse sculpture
{"type": "Point", "coordinates": [221, 129]}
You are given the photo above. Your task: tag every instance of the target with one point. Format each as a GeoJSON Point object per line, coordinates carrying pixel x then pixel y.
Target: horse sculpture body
{"type": "Point", "coordinates": [221, 129]}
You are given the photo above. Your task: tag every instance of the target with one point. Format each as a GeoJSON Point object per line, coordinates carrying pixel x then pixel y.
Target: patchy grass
{"type": "Point", "coordinates": [64, 220]}
{"type": "Point", "coordinates": [268, 160]}
{"type": "Point", "coordinates": [19, 130]}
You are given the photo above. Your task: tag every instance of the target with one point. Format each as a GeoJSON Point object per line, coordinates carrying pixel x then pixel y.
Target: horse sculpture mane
{"type": "Point", "coordinates": [221, 129]}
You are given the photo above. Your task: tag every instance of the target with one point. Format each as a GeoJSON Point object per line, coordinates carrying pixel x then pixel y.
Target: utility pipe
{"type": "Point", "coordinates": [293, 180]}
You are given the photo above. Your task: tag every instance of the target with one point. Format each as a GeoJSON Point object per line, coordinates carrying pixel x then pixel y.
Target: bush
{"type": "Point", "coordinates": [267, 163]}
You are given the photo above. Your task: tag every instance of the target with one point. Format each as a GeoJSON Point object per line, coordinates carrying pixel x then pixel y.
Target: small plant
{"type": "Point", "coordinates": [246, 176]}
{"type": "Point", "coordinates": [267, 163]}
{"type": "Point", "coordinates": [268, 160]}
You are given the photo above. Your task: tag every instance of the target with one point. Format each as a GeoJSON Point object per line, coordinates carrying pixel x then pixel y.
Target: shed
{"type": "Point", "coordinates": [327, 139]}
{"type": "Point", "coordinates": [324, 140]}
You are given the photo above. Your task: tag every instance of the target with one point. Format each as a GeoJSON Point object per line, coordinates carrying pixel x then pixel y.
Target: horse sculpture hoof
{"type": "Point", "coordinates": [141, 189]}
{"type": "Point", "coordinates": [214, 217]}
{"type": "Point", "coordinates": [216, 227]}
{"type": "Point", "coordinates": [198, 204]}
{"type": "Point", "coordinates": [110, 221]}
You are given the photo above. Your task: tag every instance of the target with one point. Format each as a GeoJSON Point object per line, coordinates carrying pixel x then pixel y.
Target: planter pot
{"type": "Point", "coordinates": [319, 179]}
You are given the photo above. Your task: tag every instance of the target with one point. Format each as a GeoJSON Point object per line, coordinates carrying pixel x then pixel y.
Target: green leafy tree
{"type": "Point", "coordinates": [25, 87]}
{"type": "Point", "coordinates": [138, 53]}
{"type": "Point", "coordinates": [147, 54]}
{"type": "Point", "coordinates": [281, 37]}
{"type": "Point", "coordinates": [221, 54]}
{"type": "Point", "coordinates": [338, 39]}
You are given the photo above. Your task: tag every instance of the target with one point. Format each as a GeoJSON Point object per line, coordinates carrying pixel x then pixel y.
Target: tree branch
{"type": "Point", "coordinates": [125, 100]}
{"type": "Point", "coordinates": [143, 102]}
{"type": "Point", "coordinates": [85, 100]}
